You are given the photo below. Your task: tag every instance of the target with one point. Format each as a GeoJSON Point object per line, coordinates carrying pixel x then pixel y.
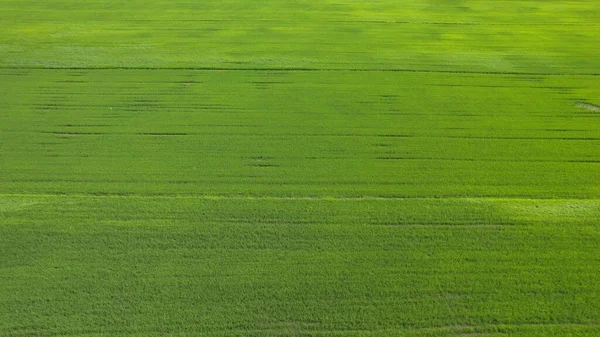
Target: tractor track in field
{"type": "Point", "coordinates": [305, 69]}
{"type": "Point", "coordinates": [351, 21]}
{"type": "Point", "coordinates": [581, 161]}
{"type": "Point", "coordinates": [183, 134]}
{"type": "Point", "coordinates": [291, 198]}
{"type": "Point", "coordinates": [464, 329]}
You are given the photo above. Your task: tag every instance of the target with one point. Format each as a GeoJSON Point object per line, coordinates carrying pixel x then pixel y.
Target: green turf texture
{"type": "Point", "coordinates": [299, 168]}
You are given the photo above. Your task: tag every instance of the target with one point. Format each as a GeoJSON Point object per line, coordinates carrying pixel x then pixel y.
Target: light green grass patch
{"type": "Point", "coordinates": [551, 211]}
{"type": "Point", "coordinates": [15, 204]}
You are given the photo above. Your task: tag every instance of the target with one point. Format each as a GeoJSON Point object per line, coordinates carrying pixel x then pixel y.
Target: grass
{"type": "Point", "coordinates": [299, 168]}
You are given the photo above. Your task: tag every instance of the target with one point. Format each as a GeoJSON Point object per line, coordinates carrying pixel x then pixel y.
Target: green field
{"type": "Point", "coordinates": [300, 168]}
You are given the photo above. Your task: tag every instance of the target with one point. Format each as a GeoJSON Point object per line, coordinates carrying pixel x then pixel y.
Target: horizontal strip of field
{"type": "Point", "coordinates": [262, 133]}
{"type": "Point", "coordinates": [215, 266]}
{"type": "Point", "coordinates": [331, 211]}
{"type": "Point", "coordinates": [503, 36]}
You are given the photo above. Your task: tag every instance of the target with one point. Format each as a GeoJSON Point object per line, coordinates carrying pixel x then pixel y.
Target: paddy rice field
{"type": "Point", "coordinates": [300, 168]}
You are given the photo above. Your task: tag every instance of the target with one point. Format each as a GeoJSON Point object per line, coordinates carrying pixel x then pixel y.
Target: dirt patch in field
{"type": "Point", "coordinates": [589, 107]}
